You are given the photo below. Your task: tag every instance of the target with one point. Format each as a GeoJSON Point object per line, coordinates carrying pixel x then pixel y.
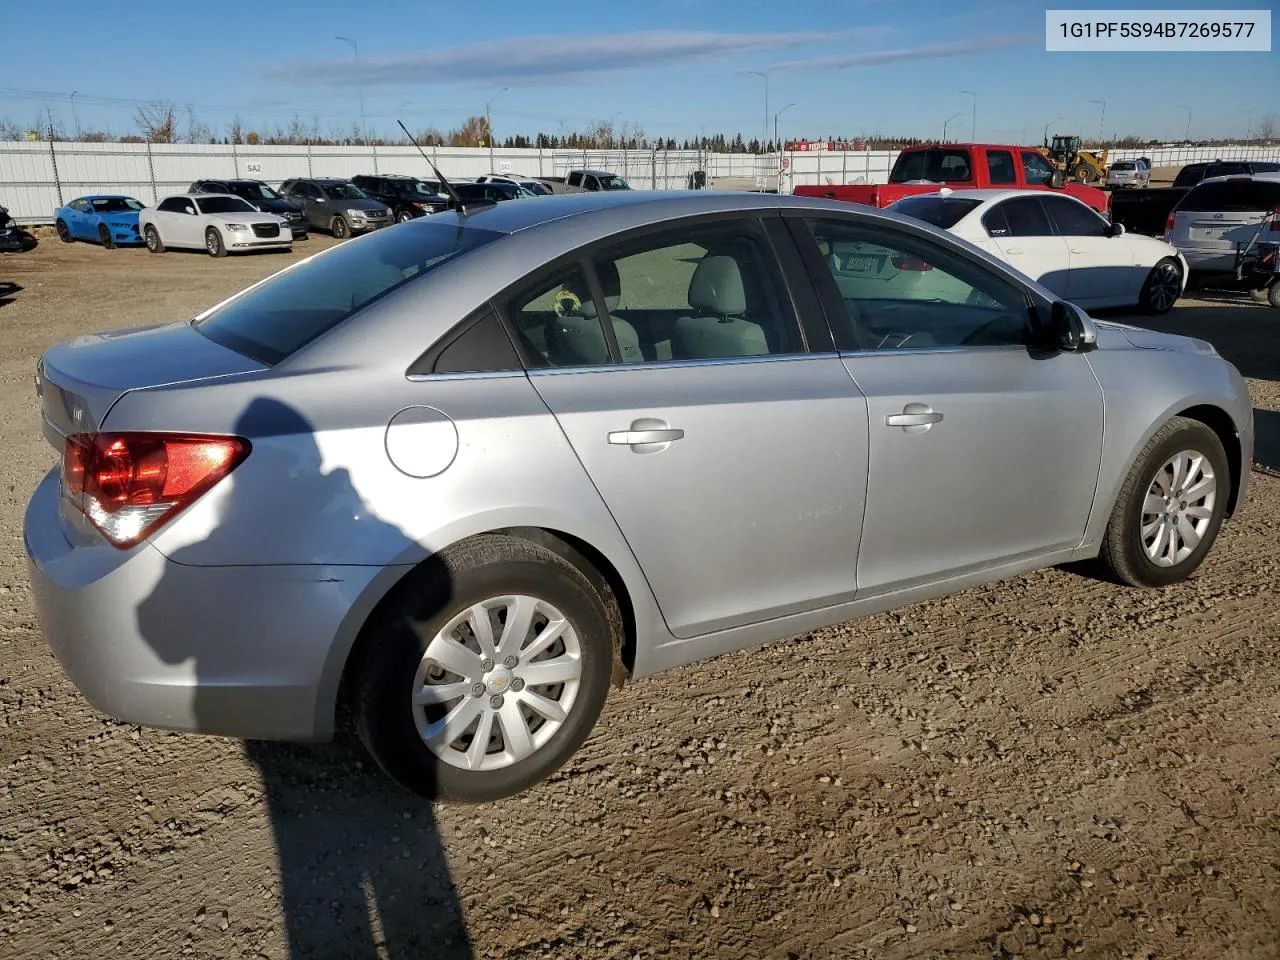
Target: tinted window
{"type": "Point", "coordinates": [223, 205]}
{"type": "Point", "coordinates": [932, 165]}
{"type": "Point", "coordinates": [1124, 165]}
{"type": "Point", "coordinates": [1037, 168]}
{"type": "Point", "coordinates": [1026, 218]}
{"type": "Point", "coordinates": [483, 346]}
{"type": "Point", "coordinates": [557, 323]}
{"type": "Point", "coordinates": [905, 292]}
{"type": "Point", "coordinates": [116, 204]}
{"type": "Point", "coordinates": [1000, 167]}
{"type": "Point", "coordinates": [1074, 219]}
{"type": "Point", "coordinates": [256, 191]}
{"type": "Point", "coordinates": [1232, 196]}
{"type": "Point", "coordinates": [697, 293]}
{"type": "Point", "coordinates": [1190, 175]}
{"type": "Point", "coordinates": [942, 212]}
{"type": "Point", "coordinates": [995, 222]}
{"type": "Point", "coordinates": [271, 321]}
{"type": "Point", "coordinates": [173, 205]}
{"type": "Point", "coordinates": [344, 191]}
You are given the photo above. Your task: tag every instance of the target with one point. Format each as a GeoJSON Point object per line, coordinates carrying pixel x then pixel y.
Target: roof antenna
{"type": "Point", "coordinates": [453, 194]}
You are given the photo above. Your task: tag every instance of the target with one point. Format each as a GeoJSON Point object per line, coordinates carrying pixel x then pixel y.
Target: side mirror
{"type": "Point", "coordinates": [1115, 229]}
{"type": "Point", "coordinates": [1071, 329]}
{"type": "Point", "coordinates": [1057, 181]}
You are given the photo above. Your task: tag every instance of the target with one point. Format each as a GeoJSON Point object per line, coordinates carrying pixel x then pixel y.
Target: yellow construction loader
{"type": "Point", "coordinates": [1087, 166]}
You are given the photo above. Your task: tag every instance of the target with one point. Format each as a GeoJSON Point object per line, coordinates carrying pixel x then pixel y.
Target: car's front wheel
{"type": "Point", "coordinates": [1162, 288]}
{"type": "Point", "coordinates": [213, 243]}
{"type": "Point", "coordinates": [104, 236]}
{"type": "Point", "coordinates": [484, 672]}
{"type": "Point", "coordinates": [1170, 507]}
{"type": "Point", "coordinates": [338, 227]}
{"type": "Point", "coordinates": [404, 216]}
{"type": "Point", "coordinates": [152, 236]}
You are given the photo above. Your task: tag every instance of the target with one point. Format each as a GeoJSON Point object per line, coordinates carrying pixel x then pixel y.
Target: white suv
{"type": "Point", "coordinates": [1220, 215]}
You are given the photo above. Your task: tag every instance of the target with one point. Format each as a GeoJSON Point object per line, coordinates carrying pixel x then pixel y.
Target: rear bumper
{"type": "Point", "coordinates": [1209, 260]}
{"type": "Point", "coordinates": [252, 652]}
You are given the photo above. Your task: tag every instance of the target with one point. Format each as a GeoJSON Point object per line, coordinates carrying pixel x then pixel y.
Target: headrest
{"type": "Point", "coordinates": [610, 282]}
{"type": "Point", "coordinates": [716, 287]}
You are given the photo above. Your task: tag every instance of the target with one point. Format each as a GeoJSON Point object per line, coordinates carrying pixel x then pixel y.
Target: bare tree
{"type": "Point", "coordinates": [95, 136]}
{"type": "Point", "coordinates": [235, 130]}
{"type": "Point", "coordinates": [158, 121]}
{"type": "Point", "coordinates": [10, 130]}
{"type": "Point", "coordinates": [1267, 128]}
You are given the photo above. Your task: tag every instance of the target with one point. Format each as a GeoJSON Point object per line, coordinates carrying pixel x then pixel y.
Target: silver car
{"type": "Point", "coordinates": [418, 476]}
{"type": "Point", "coordinates": [1219, 215]}
{"type": "Point", "coordinates": [1128, 173]}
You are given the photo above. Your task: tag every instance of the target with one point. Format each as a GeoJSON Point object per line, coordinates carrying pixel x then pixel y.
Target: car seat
{"type": "Point", "coordinates": [575, 336]}
{"type": "Point", "coordinates": [717, 328]}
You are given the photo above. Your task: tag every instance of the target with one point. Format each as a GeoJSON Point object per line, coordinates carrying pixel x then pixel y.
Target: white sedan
{"type": "Point", "coordinates": [219, 223]}
{"type": "Point", "coordinates": [1062, 244]}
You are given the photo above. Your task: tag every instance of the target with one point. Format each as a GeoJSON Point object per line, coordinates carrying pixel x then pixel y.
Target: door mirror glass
{"type": "Point", "coordinates": [1115, 230]}
{"type": "Point", "coordinates": [1071, 329]}
{"type": "Point", "coordinates": [1056, 180]}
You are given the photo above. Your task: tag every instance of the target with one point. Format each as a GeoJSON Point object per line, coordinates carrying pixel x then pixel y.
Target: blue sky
{"type": "Point", "coordinates": [675, 67]}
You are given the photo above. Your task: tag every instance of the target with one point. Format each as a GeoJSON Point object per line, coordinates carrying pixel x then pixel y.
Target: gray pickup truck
{"type": "Point", "coordinates": [583, 180]}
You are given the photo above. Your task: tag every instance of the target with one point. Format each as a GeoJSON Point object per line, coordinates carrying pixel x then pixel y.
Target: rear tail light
{"type": "Point", "coordinates": [903, 262]}
{"type": "Point", "coordinates": [1168, 222]}
{"type": "Point", "coordinates": [129, 484]}
{"type": "Point", "coordinates": [1275, 220]}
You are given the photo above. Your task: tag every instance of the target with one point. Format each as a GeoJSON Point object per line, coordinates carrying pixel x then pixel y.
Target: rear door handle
{"type": "Point", "coordinates": [1014, 250]}
{"type": "Point", "coordinates": [632, 437]}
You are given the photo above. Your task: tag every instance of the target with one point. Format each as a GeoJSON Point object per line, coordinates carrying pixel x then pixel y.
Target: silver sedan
{"type": "Point", "coordinates": [463, 473]}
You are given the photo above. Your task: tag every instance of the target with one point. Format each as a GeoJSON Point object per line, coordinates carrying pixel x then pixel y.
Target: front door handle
{"type": "Point", "coordinates": [1014, 250]}
{"type": "Point", "coordinates": [914, 418]}
{"type": "Point", "coordinates": [1074, 250]}
{"type": "Point", "coordinates": [632, 437]}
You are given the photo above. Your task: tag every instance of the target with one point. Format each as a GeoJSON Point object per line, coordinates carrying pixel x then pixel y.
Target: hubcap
{"type": "Point", "coordinates": [211, 242]}
{"type": "Point", "coordinates": [1164, 287]}
{"type": "Point", "coordinates": [497, 682]}
{"type": "Point", "coordinates": [1178, 508]}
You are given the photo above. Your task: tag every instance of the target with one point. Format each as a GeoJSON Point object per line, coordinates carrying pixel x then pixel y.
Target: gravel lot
{"type": "Point", "coordinates": [1051, 766]}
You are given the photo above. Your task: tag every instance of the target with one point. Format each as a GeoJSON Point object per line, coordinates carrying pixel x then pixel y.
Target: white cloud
{"type": "Point", "coordinates": [932, 51]}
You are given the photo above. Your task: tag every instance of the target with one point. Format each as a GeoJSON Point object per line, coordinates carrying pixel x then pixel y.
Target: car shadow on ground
{"type": "Point", "coordinates": [7, 291]}
{"type": "Point", "coordinates": [1266, 442]}
{"type": "Point", "coordinates": [363, 870]}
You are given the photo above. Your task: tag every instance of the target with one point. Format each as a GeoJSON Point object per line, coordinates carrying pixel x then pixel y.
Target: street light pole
{"type": "Point", "coordinates": [944, 126]}
{"type": "Point", "coordinates": [973, 124]}
{"type": "Point", "coordinates": [1187, 133]}
{"type": "Point", "coordinates": [75, 117]}
{"type": "Point", "coordinates": [1046, 129]}
{"type": "Point", "coordinates": [765, 77]}
{"type": "Point", "coordinates": [776, 141]}
{"type": "Point", "coordinates": [488, 122]}
{"type": "Point", "coordinates": [1102, 121]}
{"type": "Point", "coordinates": [355, 48]}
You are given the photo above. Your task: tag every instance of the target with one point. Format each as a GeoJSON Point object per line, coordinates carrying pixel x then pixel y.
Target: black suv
{"type": "Point", "coordinates": [1193, 173]}
{"type": "Point", "coordinates": [259, 196]}
{"type": "Point", "coordinates": [408, 197]}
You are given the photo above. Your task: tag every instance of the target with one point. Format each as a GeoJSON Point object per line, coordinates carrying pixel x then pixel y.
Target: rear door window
{"type": "Point", "coordinates": [1074, 219]}
{"type": "Point", "coordinates": [1000, 167]}
{"type": "Point", "coordinates": [1026, 218]}
{"type": "Point", "coordinates": [1232, 196]}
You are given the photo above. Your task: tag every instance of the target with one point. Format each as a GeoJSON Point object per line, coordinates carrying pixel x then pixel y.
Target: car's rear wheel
{"type": "Point", "coordinates": [404, 216]}
{"type": "Point", "coordinates": [1162, 288]}
{"type": "Point", "coordinates": [338, 227]}
{"type": "Point", "coordinates": [152, 236]}
{"type": "Point", "coordinates": [104, 236]}
{"type": "Point", "coordinates": [1273, 293]}
{"type": "Point", "coordinates": [485, 672]}
{"type": "Point", "coordinates": [213, 243]}
{"type": "Point", "coordinates": [1259, 294]}
{"type": "Point", "coordinates": [64, 234]}
{"type": "Point", "coordinates": [1170, 507]}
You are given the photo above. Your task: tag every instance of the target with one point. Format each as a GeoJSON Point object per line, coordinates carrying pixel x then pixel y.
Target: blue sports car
{"type": "Point", "coordinates": [108, 219]}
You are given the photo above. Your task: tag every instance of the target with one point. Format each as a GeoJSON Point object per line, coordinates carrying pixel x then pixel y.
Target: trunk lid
{"type": "Point", "coordinates": [79, 380]}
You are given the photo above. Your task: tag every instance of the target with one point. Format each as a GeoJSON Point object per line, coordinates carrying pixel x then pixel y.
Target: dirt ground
{"type": "Point", "coordinates": [1051, 766]}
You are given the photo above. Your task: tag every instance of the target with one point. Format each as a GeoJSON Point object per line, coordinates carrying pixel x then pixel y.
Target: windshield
{"type": "Point", "coordinates": [937, 165]}
{"type": "Point", "coordinates": [289, 310]}
{"type": "Point", "coordinates": [613, 182]}
{"type": "Point", "coordinates": [942, 212]}
{"type": "Point", "coordinates": [223, 205]}
{"type": "Point", "coordinates": [344, 191]}
{"type": "Point", "coordinates": [255, 190]}
{"type": "Point", "coordinates": [117, 204]}
{"type": "Point", "coordinates": [535, 188]}
{"type": "Point", "coordinates": [416, 188]}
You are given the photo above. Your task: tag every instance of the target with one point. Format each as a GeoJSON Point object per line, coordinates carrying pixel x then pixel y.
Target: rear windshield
{"type": "Point", "coordinates": [1238, 196]}
{"type": "Point", "coordinates": [300, 303]}
{"type": "Point", "coordinates": [938, 165]}
{"type": "Point", "coordinates": [1123, 165]}
{"type": "Point", "coordinates": [942, 212]}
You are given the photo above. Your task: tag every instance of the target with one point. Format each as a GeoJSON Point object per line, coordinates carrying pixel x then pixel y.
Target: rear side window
{"type": "Point", "coordinates": [1232, 196]}
{"type": "Point", "coordinates": [942, 212]}
{"type": "Point", "coordinates": [291, 309]}
{"type": "Point", "coordinates": [1000, 167]}
{"type": "Point", "coordinates": [1190, 175]}
{"type": "Point", "coordinates": [932, 165]}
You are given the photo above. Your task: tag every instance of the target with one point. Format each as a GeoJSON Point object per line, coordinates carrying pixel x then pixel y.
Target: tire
{"type": "Point", "coordinates": [152, 236]}
{"type": "Point", "coordinates": [404, 216]}
{"type": "Point", "coordinates": [338, 227]}
{"type": "Point", "coordinates": [1273, 293]}
{"type": "Point", "coordinates": [393, 664]}
{"type": "Point", "coordinates": [1162, 288]}
{"type": "Point", "coordinates": [104, 237]}
{"type": "Point", "coordinates": [1082, 173]}
{"type": "Point", "coordinates": [1124, 553]}
{"type": "Point", "coordinates": [64, 234]}
{"type": "Point", "coordinates": [1260, 295]}
{"type": "Point", "coordinates": [213, 243]}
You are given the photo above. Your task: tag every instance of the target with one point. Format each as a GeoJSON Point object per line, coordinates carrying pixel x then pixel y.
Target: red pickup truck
{"type": "Point", "coordinates": [961, 166]}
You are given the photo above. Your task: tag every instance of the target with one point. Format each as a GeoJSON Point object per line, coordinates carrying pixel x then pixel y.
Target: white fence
{"type": "Point", "coordinates": [37, 176]}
